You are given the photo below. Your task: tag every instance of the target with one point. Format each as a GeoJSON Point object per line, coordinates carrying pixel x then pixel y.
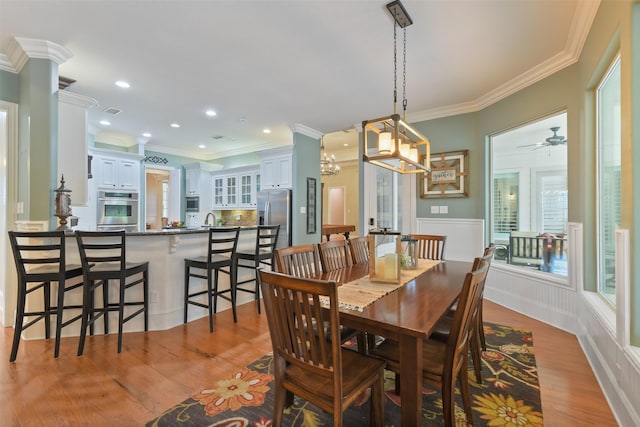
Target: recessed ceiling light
{"type": "Point", "coordinates": [202, 146]}
{"type": "Point", "coordinates": [266, 130]}
{"type": "Point", "coordinates": [175, 125]}
{"type": "Point", "coordinates": [211, 113]}
{"type": "Point", "coordinates": [105, 123]}
{"type": "Point", "coordinates": [345, 144]}
{"type": "Point", "coordinates": [146, 135]}
{"type": "Point", "coordinates": [123, 84]}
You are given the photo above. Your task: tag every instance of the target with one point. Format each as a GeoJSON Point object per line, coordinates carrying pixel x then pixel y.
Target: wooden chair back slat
{"type": "Point", "coordinates": [334, 255]}
{"type": "Point", "coordinates": [359, 247]}
{"type": "Point", "coordinates": [299, 261]}
{"type": "Point", "coordinates": [430, 246]}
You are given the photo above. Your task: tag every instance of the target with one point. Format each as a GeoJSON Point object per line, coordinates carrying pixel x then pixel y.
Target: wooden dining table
{"type": "Point", "coordinates": [408, 316]}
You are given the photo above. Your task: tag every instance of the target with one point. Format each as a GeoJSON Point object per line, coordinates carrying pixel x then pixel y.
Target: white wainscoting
{"type": "Point", "coordinates": [604, 336]}
{"type": "Point", "coordinates": [465, 236]}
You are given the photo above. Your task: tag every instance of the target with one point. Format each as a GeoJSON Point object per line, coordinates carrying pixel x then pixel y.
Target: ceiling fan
{"type": "Point", "coordinates": [552, 141]}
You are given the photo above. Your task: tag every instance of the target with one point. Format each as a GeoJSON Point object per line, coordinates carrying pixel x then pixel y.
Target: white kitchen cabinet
{"type": "Point", "coordinates": [275, 172]}
{"type": "Point", "coordinates": [236, 188]}
{"type": "Point", "coordinates": [249, 187]}
{"type": "Point", "coordinates": [198, 183]}
{"type": "Point", "coordinates": [118, 173]}
{"type": "Point", "coordinates": [73, 145]}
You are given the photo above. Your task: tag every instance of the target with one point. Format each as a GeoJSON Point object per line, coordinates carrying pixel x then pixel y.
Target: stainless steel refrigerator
{"type": "Point", "coordinates": [274, 207]}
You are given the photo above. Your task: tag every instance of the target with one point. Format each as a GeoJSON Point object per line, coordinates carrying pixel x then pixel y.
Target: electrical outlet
{"type": "Point", "coordinates": [20, 208]}
{"type": "Point", "coordinates": [303, 209]}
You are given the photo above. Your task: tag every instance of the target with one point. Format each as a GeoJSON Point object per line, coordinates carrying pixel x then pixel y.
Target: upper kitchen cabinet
{"type": "Point", "coordinates": [119, 171]}
{"type": "Point", "coordinates": [276, 169]}
{"type": "Point", "coordinates": [73, 145]}
{"type": "Point", "coordinates": [236, 188]}
{"type": "Point", "coordinates": [198, 183]}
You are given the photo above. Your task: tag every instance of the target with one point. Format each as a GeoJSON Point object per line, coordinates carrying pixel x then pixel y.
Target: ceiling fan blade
{"type": "Point", "coordinates": [530, 145]}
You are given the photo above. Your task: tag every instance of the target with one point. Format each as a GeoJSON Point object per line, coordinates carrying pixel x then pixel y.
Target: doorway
{"type": "Point", "coordinates": [337, 205]}
{"type": "Point", "coordinates": [162, 196]}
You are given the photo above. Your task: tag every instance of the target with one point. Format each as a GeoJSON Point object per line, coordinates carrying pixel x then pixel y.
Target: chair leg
{"type": "Point", "coordinates": [186, 291]}
{"type": "Point", "coordinates": [376, 417]}
{"type": "Point", "coordinates": [466, 394]}
{"type": "Point", "coordinates": [47, 309]}
{"type": "Point", "coordinates": [59, 311]}
{"type": "Point", "coordinates": [449, 403]}
{"type": "Point", "coordinates": [233, 283]}
{"type": "Point", "coordinates": [215, 290]}
{"type": "Point", "coordinates": [120, 312]}
{"type": "Point", "coordinates": [210, 299]}
{"type": "Point", "coordinates": [87, 312]}
{"type": "Point", "coordinates": [145, 285]}
{"type": "Point", "coordinates": [17, 328]}
{"type": "Point", "coordinates": [105, 305]}
{"type": "Point", "coordinates": [257, 290]}
{"type": "Point", "coordinates": [483, 342]}
{"type": "Point", "coordinates": [475, 355]}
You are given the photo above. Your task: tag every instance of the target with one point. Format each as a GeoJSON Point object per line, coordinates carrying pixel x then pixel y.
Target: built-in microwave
{"type": "Point", "coordinates": [193, 204]}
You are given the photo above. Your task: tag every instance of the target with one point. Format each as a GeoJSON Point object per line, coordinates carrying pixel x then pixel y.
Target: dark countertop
{"type": "Point", "coordinates": [173, 231]}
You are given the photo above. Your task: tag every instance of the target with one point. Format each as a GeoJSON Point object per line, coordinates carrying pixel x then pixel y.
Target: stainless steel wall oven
{"type": "Point", "coordinates": [117, 210]}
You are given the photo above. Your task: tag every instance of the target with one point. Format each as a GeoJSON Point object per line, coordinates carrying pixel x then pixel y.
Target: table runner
{"type": "Point", "coordinates": [358, 294]}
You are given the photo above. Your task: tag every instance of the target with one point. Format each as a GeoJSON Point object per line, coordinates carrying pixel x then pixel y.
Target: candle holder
{"type": "Point", "coordinates": [409, 259]}
{"type": "Point", "coordinates": [385, 252]}
{"type": "Point", "coordinates": [63, 205]}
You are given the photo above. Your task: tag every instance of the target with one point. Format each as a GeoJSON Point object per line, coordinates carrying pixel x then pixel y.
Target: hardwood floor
{"type": "Point", "coordinates": [156, 370]}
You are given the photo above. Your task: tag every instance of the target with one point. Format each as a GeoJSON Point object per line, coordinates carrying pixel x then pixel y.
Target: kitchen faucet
{"type": "Point", "coordinates": [213, 217]}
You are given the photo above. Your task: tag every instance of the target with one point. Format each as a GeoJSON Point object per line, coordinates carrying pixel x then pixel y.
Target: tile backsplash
{"type": "Point", "coordinates": [239, 217]}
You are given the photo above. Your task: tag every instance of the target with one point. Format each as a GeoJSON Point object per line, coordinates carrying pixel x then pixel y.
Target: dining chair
{"type": "Point", "coordinates": [220, 258]}
{"type": "Point", "coordinates": [444, 363]}
{"type": "Point", "coordinates": [430, 246]}
{"type": "Point", "coordinates": [442, 329]}
{"type": "Point", "coordinates": [103, 256]}
{"type": "Point", "coordinates": [303, 261]}
{"type": "Point", "coordinates": [359, 248]}
{"type": "Point", "coordinates": [299, 261]}
{"type": "Point", "coordinates": [40, 259]}
{"type": "Point", "coordinates": [263, 253]}
{"type": "Point", "coordinates": [309, 364]}
{"type": "Point", "coordinates": [334, 255]}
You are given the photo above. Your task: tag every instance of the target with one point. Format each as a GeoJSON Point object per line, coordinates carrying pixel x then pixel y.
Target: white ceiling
{"type": "Point", "coordinates": [326, 65]}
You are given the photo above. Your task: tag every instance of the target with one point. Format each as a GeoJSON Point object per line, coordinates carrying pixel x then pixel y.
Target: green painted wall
{"type": "Point", "coordinates": [9, 87]}
{"type": "Point", "coordinates": [306, 152]}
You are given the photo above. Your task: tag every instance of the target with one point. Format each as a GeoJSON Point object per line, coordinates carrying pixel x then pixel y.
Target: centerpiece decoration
{"type": "Point", "coordinates": [385, 254]}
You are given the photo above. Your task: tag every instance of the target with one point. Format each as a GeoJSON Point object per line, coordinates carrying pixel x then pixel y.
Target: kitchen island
{"type": "Point", "coordinates": [165, 250]}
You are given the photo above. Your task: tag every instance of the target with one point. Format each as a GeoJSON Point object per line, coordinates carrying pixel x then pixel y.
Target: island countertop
{"type": "Point", "coordinates": [181, 230]}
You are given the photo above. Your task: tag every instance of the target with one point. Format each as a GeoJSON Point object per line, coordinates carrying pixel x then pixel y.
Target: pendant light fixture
{"type": "Point", "coordinates": [328, 164]}
{"type": "Point", "coordinates": [395, 144]}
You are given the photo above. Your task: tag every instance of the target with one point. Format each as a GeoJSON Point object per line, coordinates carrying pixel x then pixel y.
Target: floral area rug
{"type": "Point", "coordinates": [509, 395]}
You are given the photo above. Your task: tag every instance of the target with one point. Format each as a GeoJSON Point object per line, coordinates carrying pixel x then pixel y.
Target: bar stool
{"type": "Point", "coordinates": [221, 253]}
{"type": "Point", "coordinates": [103, 256]}
{"type": "Point", "coordinates": [40, 259]}
{"type": "Point", "coordinates": [264, 253]}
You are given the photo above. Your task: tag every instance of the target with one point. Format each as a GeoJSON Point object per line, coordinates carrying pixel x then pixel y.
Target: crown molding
{"type": "Point", "coordinates": [21, 49]}
{"type": "Point", "coordinates": [5, 64]}
{"type": "Point", "coordinates": [76, 99]}
{"type": "Point", "coordinates": [306, 130]}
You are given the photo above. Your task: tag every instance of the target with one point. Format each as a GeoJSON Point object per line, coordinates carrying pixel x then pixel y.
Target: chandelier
{"type": "Point", "coordinates": [396, 145]}
{"type": "Point", "coordinates": [328, 164]}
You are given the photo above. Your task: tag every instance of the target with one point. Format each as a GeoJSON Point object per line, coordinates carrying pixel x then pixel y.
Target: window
{"type": "Point", "coordinates": [608, 181]}
{"type": "Point", "coordinates": [165, 199]}
{"type": "Point", "coordinates": [529, 204]}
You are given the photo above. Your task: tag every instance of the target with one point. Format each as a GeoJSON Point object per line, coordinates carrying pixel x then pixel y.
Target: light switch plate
{"type": "Point", "coordinates": [435, 209]}
{"type": "Point", "coordinates": [303, 209]}
{"type": "Point", "coordinates": [444, 209]}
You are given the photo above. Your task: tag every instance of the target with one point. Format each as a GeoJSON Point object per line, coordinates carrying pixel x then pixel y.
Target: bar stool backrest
{"type": "Point", "coordinates": [223, 242]}
{"type": "Point", "coordinates": [39, 254]}
{"type": "Point", "coordinates": [101, 248]}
